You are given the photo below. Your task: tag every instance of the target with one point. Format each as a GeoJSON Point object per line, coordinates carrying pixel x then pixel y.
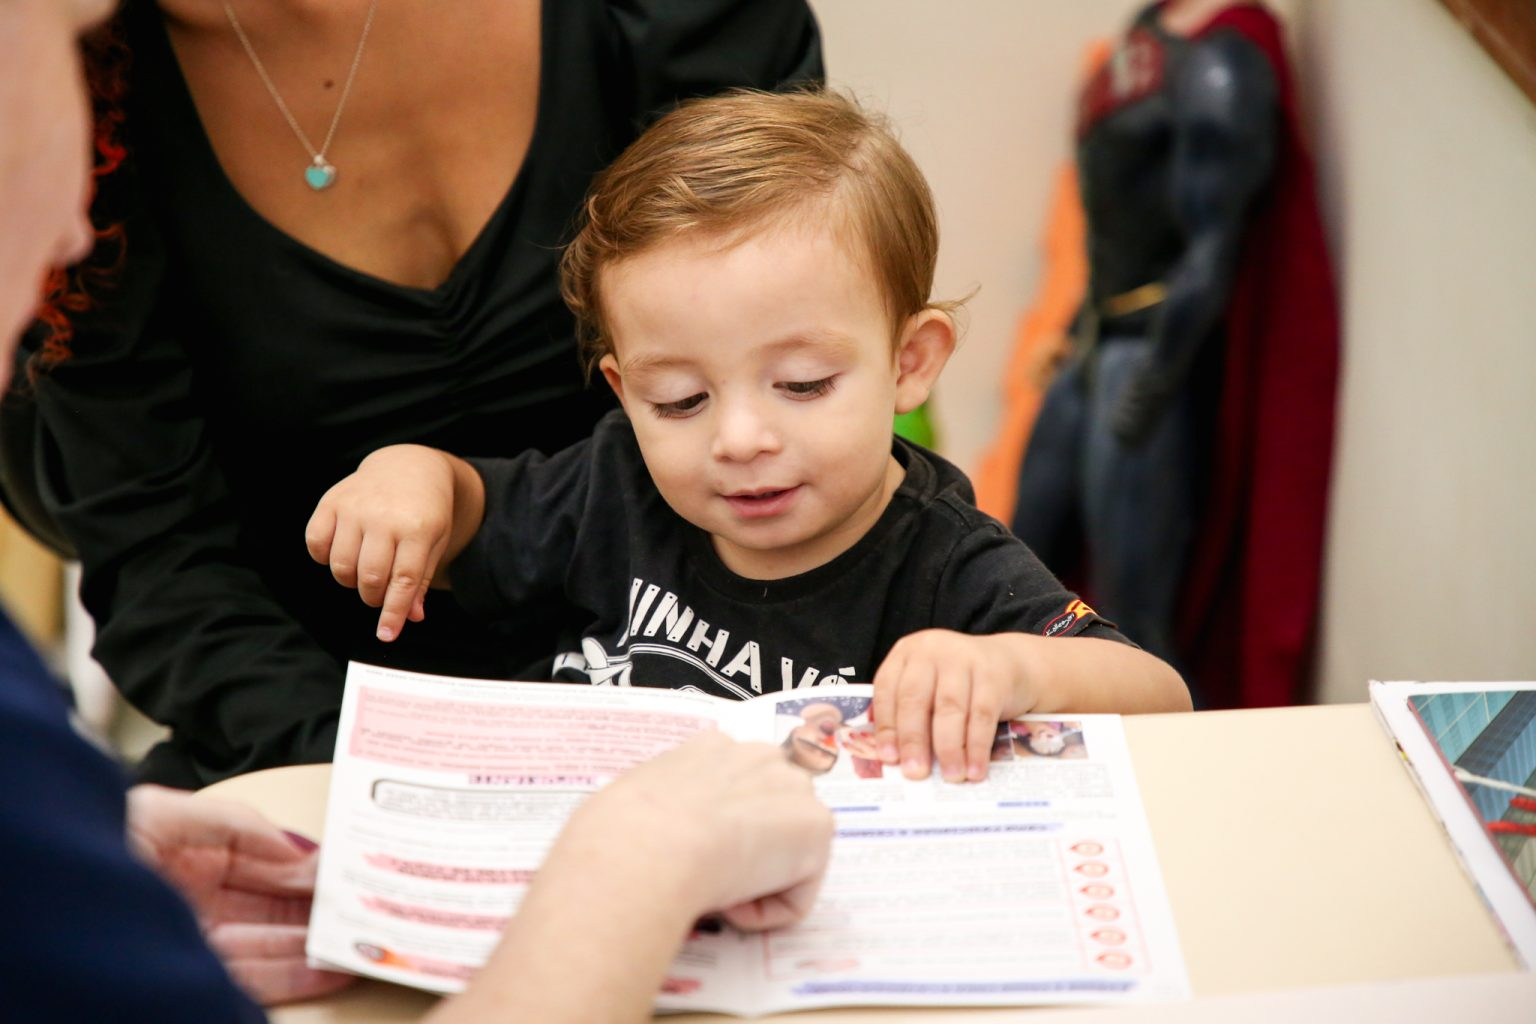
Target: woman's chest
{"type": "Point", "coordinates": [422, 118]}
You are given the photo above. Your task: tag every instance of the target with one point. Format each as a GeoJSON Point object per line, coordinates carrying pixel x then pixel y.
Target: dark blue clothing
{"type": "Point", "coordinates": [1176, 138]}
{"type": "Point", "coordinates": [1134, 505]}
{"type": "Point", "coordinates": [91, 934]}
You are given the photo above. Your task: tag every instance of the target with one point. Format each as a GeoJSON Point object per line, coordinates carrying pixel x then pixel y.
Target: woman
{"type": "Point", "coordinates": [340, 225]}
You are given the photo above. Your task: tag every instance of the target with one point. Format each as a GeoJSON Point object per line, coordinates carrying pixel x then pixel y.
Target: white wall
{"type": "Point", "coordinates": [1428, 160]}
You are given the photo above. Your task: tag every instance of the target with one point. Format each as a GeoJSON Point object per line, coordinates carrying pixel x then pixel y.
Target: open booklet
{"type": "Point", "coordinates": [1039, 885]}
{"type": "Point", "coordinates": [1472, 750]}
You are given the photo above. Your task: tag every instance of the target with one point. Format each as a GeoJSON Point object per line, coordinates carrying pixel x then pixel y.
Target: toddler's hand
{"type": "Point", "coordinates": [940, 694]}
{"type": "Point", "coordinates": [383, 530]}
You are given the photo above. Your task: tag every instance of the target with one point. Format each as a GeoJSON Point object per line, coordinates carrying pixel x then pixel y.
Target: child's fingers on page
{"type": "Point", "coordinates": [318, 532]}
{"type": "Point", "coordinates": [882, 706]}
{"type": "Point", "coordinates": [981, 730]}
{"type": "Point", "coordinates": [914, 716]}
{"type": "Point", "coordinates": [951, 701]}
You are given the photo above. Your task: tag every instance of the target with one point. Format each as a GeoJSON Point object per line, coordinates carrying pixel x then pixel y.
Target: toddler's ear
{"type": "Point", "coordinates": [610, 367]}
{"type": "Point", "coordinates": [925, 346]}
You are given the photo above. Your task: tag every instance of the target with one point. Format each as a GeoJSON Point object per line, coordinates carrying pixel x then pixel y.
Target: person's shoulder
{"type": "Point", "coordinates": [1253, 24]}
{"type": "Point", "coordinates": [1236, 48]}
{"type": "Point", "coordinates": [617, 465]}
{"type": "Point", "coordinates": [938, 488]}
{"type": "Point", "coordinates": [950, 534]}
{"type": "Point", "coordinates": [613, 437]}
{"type": "Point", "coordinates": [678, 49]}
{"type": "Point", "coordinates": [1225, 79]}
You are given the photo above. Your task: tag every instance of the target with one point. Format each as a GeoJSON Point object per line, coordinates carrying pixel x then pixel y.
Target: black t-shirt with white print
{"type": "Point", "coordinates": [647, 602]}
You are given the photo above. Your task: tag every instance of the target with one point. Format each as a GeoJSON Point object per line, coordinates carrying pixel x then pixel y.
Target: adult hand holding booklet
{"type": "Point", "coordinates": [1039, 885]}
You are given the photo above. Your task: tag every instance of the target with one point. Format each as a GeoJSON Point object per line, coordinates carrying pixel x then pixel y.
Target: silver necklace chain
{"type": "Point", "coordinates": [321, 173]}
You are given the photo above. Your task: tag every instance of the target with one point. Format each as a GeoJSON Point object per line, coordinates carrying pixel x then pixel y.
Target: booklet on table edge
{"type": "Point", "coordinates": [1435, 725]}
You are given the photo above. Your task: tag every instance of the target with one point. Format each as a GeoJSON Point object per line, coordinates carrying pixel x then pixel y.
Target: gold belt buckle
{"type": "Point", "coordinates": [1135, 300]}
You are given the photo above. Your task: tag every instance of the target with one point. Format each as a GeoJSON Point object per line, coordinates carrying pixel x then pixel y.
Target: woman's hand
{"type": "Point", "coordinates": [386, 529]}
{"type": "Point", "coordinates": [742, 820]}
{"type": "Point", "coordinates": [249, 883]}
{"type": "Point", "coordinates": [713, 825]}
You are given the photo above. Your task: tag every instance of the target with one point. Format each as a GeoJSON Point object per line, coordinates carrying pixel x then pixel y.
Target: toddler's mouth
{"type": "Point", "coordinates": [765, 502]}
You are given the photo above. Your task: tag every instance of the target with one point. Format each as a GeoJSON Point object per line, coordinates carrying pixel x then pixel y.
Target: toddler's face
{"type": "Point", "coordinates": [761, 382]}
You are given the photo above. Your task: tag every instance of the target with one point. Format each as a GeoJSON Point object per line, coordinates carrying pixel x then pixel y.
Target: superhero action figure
{"type": "Point", "coordinates": [1179, 463]}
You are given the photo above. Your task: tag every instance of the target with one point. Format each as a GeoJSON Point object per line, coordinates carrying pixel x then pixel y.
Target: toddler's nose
{"type": "Point", "coordinates": [742, 433]}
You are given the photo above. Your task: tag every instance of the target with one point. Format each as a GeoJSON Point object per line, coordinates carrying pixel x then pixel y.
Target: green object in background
{"type": "Point", "coordinates": [915, 426]}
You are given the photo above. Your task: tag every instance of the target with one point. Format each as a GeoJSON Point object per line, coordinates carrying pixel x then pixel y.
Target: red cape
{"type": "Point", "coordinates": [1252, 592]}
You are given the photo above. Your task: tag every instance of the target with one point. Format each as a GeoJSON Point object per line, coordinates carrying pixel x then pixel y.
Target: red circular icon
{"type": "Point", "coordinates": [1102, 912]}
{"type": "Point", "coordinates": [1088, 849]}
{"type": "Point", "coordinates": [1093, 868]}
{"type": "Point", "coordinates": [1109, 936]}
{"type": "Point", "coordinates": [1097, 891]}
{"type": "Point", "coordinates": [1114, 959]}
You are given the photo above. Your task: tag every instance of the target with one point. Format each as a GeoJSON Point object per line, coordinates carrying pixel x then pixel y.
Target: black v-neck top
{"type": "Point", "coordinates": [231, 374]}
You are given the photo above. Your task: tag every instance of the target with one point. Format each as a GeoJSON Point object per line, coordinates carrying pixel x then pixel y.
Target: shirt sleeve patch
{"type": "Point", "coordinates": [1075, 612]}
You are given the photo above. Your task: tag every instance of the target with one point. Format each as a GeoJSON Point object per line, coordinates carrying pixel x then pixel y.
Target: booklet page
{"type": "Point", "coordinates": [1039, 885]}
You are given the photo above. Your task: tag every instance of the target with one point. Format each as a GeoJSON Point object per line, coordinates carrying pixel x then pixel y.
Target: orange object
{"type": "Point", "coordinates": [1040, 340]}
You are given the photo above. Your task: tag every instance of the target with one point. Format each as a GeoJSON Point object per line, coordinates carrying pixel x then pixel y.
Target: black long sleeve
{"type": "Point", "coordinates": [95, 935]}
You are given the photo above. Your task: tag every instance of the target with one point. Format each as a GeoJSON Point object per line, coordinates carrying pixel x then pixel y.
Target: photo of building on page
{"type": "Point", "coordinates": [1472, 750]}
{"type": "Point", "coordinates": [1488, 741]}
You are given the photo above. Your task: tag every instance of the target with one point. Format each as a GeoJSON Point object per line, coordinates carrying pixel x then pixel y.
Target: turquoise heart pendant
{"type": "Point", "coordinates": [320, 175]}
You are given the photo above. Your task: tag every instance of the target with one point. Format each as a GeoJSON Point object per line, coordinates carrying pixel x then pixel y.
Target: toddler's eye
{"type": "Point", "coordinates": [808, 388]}
{"type": "Point", "coordinates": [675, 410]}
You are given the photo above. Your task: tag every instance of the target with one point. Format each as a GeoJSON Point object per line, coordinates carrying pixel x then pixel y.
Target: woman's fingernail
{"type": "Point", "coordinates": [386, 634]}
{"type": "Point", "coordinates": [302, 842]}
